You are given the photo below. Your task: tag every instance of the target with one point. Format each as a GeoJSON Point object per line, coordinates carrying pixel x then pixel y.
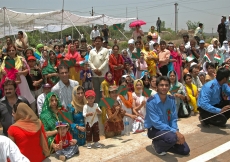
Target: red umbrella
{"type": "Point", "coordinates": [137, 22]}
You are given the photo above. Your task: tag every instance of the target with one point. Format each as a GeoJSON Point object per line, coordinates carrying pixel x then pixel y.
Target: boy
{"type": "Point", "coordinates": [86, 77]}
{"type": "Point", "coordinates": [90, 111]}
{"type": "Point", "coordinates": [65, 141]}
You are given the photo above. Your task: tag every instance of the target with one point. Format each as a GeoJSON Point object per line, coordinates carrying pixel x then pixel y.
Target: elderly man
{"type": "Point", "coordinates": [161, 121]}
{"type": "Point", "coordinates": [7, 103]}
{"type": "Point", "coordinates": [65, 86]}
{"type": "Point", "coordinates": [194, 71]}
{"type": "Point", "coordinates": [98, 61]}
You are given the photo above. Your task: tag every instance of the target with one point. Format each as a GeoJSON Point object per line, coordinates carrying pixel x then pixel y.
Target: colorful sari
{"type": "Point", "coordinates": [75, 70]}
{"type": "Point", "coordinates": [105, 89]}
{"type": "Point", "coordinates": [152, 68]}
{"type": "Point", "coordinates": [49, 68]}
{"type": "Point", "coordinates": [38, 54]}
{"type": "Point", "coordinates": [76, 108]}
{"type": "Point", "coordinates": [176, 65]}
{"type": "Point", "coordinates": [49, 118]}
{"type": "Point", "coordinates": [115, 61]}
{"type": "Point", "coordinates": [192, 93]}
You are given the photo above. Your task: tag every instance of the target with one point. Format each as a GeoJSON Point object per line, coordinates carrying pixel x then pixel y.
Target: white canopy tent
{"type": "Point", "coordinates": [53, 21]}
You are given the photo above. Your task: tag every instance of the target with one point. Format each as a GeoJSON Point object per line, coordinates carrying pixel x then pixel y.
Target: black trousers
{"type": "Point", "coordinates": [219, 120]}
{"type": "Point", "coordinates": [221, 39]}
{"type": "Point", "coordinates": [164, 70]}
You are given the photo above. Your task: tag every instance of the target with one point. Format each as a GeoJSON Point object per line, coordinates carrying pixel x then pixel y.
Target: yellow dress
{"type": "Point", "coordinates": [105, 89]}
{"type": "Point", "coordinates": [192, 93]}
{"type": "Point", "coordinates": [74, 75]}
{"type": "Point", "coordinates": [152, 68]}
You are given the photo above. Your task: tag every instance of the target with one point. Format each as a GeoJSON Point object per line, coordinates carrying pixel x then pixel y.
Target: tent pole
{"type": "Point", "coordinates": [122, 34]}
{"type": "Point", "coordinates": [62, 16]}
{"type": "Point", "coordinates": [73, 24]}
{"type": "Point", "coordinates": [4, 8]}
{"type": "Point", "coordinates": [72, 32]}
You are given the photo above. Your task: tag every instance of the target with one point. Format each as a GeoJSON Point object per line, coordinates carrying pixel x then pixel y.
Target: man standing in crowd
{"type": "Point", "coordinates": [151, 42]}
{"type": "Point", "coordinates": [194, 71]}
{"type": "Point", "coordinates": [161, 121]}
{"type": "Point", "coordinates": [8, 103]}
{"type": "Point", "coordinates": [98, 61]}
{"type": "Point", "coordinates": [199, 33]}
{"type": "Point", "coordinates": [164, 56]}
{"type": "Point", "coordinates": [105, 33]}
{"type": "Point", "coordinates": [131, 47]}
{"type": "Point", "coordinates": [227, 25]}
{"type": "Point", "coordinates": [8, 42]}
{"type": "Point", "coordinates": [186, 41]}
{"type": "Point", "coordinates": [210, 100]}
{"type": "Point", "coordinates": [94, 33]}
{"type": "Point", "coordinates": [202, 51]}
{"type": "Point", "coordinates": [65, 86]}
{"type": "Point", "coordinates": [158, 24]}
{"type": "Point", "coordinates": [222, 31]}
{"type": "Point", "coordinates": [137, 32]}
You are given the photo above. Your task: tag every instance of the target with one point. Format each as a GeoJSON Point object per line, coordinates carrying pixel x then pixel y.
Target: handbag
{"type": "Point", "coordinates": [66, 117]}
{"type": "Point", "coordinates": [184, 110]}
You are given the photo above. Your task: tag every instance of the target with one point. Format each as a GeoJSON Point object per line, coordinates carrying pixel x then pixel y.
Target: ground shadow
{"type": "Point", "coordinates": [168, 157]}
{"type": "Point", "coordinates": [126, 140]}
{"type": "Point", "coordinates": [214, 129]}
{"type": "Point", "coordinates": [107, 146]}
{"type": "Point", "coordinates": [118, 137]}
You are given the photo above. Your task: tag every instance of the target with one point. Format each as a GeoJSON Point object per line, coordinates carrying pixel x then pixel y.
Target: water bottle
{"type": "Point", "coordinates": [127, 131]}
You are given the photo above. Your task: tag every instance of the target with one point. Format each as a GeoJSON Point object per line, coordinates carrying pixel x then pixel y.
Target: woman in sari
{"type": "Point", "coordinates": [192, 92]}
{"type": "Point", "coordinates": [39, 50]}
{"type": "Point", "coordinates": [176, 88]}
{"type": "Point", "coordinates": [21, 43]}
{"type": "Point", "coordinates": [126, 57]}
{"type": "Point", "coordinates": [76, 108]}
{"type": "Point", "coordinates": [49, 117]}
{"type": "Point", "coordinates": [116, 64]}
{"type": "Point", "coordinates": [23, 69]}
{"type": "Point", "coordinates": [28, 127]}
{"type": "Point", "coordinates": [74, 55]}
{"type": "Point", "coordinates": [177, 60]}
{"type": "Point", "coordinates": [49, 69]}
{"type": "Point", "coordinates": [151, 58]}
{"type": "Point", "coordinates": [109, 81]}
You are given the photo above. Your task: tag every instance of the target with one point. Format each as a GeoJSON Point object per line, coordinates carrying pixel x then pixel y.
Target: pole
{"type": "Point", "coordinates": [4, 8]}
{"type": "Point", "coordinates": [212, 33]}
{"type": "Point", "coordinates": [62, 16]}
{"type": "Point", "coordinates": [92, 15]}
{"type": "Point", "coordinates": [137, 13]}
{"type": "Point", "coordinates": [126, 17]}
{"type": "Point", "coordinates": [176, 17]}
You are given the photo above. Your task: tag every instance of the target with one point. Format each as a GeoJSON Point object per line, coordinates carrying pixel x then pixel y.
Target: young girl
{"type": "Point", "coordinates": [146, 80]}
{"type": "Point", "coordinates": [128, 70]}
{"type": "Point", "coordinates": [109, 81]}
{"type": "Point", "coordinates": [86, 77]}
{"type": "Point", "coordinates": [153, 85]}
{"type": "Point", "coordinates": [90, 111]}
{"type": "Point", "coordinates": [126, 103]}
{"type": "Point", "coordinates": [114, 125]}
{"type": "Point", "coordinates": [139, 109]}
{"type": "Point", "coordinates": [66, 142]}
{"type": "Point", "coordinates": [141, 66]}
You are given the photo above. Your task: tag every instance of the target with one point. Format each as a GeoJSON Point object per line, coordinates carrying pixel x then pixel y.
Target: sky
{"type": "Point", "coordinates": [208, 12]}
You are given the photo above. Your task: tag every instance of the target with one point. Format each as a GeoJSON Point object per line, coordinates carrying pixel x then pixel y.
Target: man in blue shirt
{"type": "Point", "coordinates": [161, 121]}
{"type": "Point", "coordinates": [210, 100]}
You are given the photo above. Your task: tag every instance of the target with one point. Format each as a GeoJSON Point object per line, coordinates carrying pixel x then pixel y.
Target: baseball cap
{"type": "Point", "coordinates": [61, 124]}
{"type": "Point", "coordinates": [201, 42]}
{"type": "Point", "coordinates": [47, 85]}
{"type": "Point", "coordinates": [90, 93]}
{"type": "Point", "coordinates": [31, 58]}
{"type": "Point", "coordinates": [131, 41]}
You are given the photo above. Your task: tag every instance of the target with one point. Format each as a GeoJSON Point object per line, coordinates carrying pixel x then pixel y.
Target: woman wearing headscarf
{"type": "Point", "coordinates": [39, 50]}
{"type": "Point", "coordinates": [28, 127]}
{"type": "Point", "coordinates": [151, 59]}
{"type": "Point", "coordinates": [72, 54]}
{"type": "Point", "coordinates": [49, 117]}
{"type": "Point", "coordinates": [214, 52]}
{"type": "Point", "coordinates": [226, 49]}
{"type": "Point", "coordinates": [76, 108]}
{"type": "Point", "coordinates": [49, 69]}
{"type": "Point", "coordinates": [21, 43]}
{"type": "Point", "coordinates": [116, 64]}
{"type": "Point", "coordinates": [109, 81]}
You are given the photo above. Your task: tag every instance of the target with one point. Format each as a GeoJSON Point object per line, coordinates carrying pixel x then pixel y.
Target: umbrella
{"type": "Point", "coordinates": [137, 22]}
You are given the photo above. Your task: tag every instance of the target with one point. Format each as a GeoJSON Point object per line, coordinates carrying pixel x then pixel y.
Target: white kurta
{"type": "Point", "coordinates": [90, 119]}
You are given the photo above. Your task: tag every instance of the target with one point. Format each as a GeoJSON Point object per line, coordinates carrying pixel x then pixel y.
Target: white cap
{"type": "Point", "coordinates": [193, 63]}
{"type": "Point", "coordinates": [225, 41]}
{"type": "Point", "coordinates": [131, 41]}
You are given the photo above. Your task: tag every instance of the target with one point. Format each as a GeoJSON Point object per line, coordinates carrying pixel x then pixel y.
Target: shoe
{"type": "Point", "coordinates": [89, 145]}
{"type": "Point", "coordinates": [62, 158]}
{"type": "Point", "coordinates": [161, 154]}
{"type": "Point", "coordinates": [96, 144]}
{"type": "Point", "coordinates": [203, 123]}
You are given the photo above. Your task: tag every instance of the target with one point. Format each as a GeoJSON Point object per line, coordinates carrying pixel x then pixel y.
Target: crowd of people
{"type": "Point", "coordinates": [54, 98]}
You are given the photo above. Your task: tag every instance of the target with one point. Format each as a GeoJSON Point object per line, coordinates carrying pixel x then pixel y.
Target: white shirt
{"type": "Point", "coordinates": [64, 92]}
{"type": "Point", "coordinates": [94, 34]}
{"type": "Point", "coordinates": [40, 101]}
{"type": "Point", "coordinates": [198, 32]}
{"type": "Point", "coordinates": [151, 45]}
{"type": "Point", "coordinates": [90, 119]}
{"type": "Point", "coordinates": [187, 45]}
{"type": "Point", "coordinates": [99, 60]}
{"type": "Point", "coordinates": [8, 149]}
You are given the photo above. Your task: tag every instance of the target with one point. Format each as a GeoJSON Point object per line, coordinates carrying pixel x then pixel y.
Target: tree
{"type": "Point", "coordinates": [192, 25]}
{"type": "Point", "coordinates": [163, 25]}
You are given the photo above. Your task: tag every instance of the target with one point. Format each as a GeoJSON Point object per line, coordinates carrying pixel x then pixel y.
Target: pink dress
{"type": "Point", "coordinates": [143, 66]}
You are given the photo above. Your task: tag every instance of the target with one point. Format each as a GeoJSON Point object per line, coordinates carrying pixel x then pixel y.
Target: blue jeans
{"type": "Point", "coordinates": [167, 142]}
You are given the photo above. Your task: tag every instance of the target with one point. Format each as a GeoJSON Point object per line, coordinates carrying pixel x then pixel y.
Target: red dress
{"type": "Point", "coordinates": [115, 61]}
{"type": "Point", "coordinates": [66, 139]}
{"type": "Point", "coordinates": [28, 143]}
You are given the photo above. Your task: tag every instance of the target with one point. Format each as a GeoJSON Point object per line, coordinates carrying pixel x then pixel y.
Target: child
{"type": "Point", "coordinates": [86, 77]}
{"type": "Point", "coordinates": [129, 81]}
{"type": "Point", "coordinates": [128, 70]}
{"type": "Point", "coordinates": [141, 66]}
{"type": "Point", "coordinates": [68, 145]}
{"type": "Point", "coordinates": [90, 111]}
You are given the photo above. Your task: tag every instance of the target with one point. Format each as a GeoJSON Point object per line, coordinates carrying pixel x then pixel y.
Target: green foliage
{"type": "Point", "coordinates": [192, 25]}
{"type": "Point", "coordinates": [33, 38]}
{"type": "Point", "coordinates": [163, 26]}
